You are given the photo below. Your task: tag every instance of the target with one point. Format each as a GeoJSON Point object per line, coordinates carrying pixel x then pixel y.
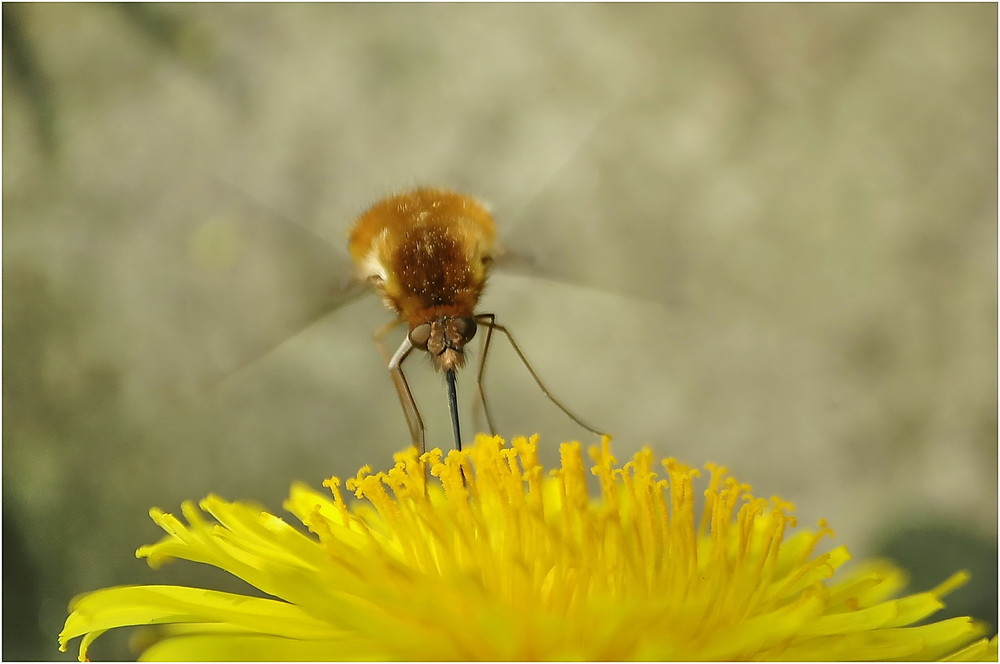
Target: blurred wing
{"type": "Point", "coordinates": [226, 281]}
{"type": "Point", "coordinates": [606, 219]}
{"type": "Point", "coordinates": [670, 206]}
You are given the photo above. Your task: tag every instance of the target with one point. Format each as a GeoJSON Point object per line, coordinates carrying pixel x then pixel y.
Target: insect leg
{"type": "Point", "coordinates": [380, 334]}
{"type": "Point", "coordinates": [414, 422]}
{"type": "Point", "coordinates": [489, 321]}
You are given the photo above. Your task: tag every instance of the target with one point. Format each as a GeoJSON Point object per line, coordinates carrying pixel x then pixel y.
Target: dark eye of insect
{"type": "Point", "coordinates": [420, 335]}
{"type": "Point", "coordinates": [466, 327]}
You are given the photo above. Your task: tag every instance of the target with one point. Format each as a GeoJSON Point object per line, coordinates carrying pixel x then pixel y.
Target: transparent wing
{"type": "Point", "coordinates": [225, 281]}
{"type": "Point", "coordinates": [609, 218]}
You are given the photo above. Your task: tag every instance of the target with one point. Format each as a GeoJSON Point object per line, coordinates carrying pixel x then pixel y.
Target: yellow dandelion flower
{"type": "Point", "coordinates": [490, 558]}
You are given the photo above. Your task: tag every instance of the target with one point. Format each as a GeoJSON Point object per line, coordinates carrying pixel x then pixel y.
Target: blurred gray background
{"type": "Point", "coordinates": [760, 235]}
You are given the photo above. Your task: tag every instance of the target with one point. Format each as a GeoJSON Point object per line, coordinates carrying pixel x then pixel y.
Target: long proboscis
{"type": "Point", "coordinates": [453, 407]}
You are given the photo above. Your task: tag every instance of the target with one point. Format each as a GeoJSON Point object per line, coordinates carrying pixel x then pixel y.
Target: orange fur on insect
{"type": "Point", "coordinates": [426, 252]}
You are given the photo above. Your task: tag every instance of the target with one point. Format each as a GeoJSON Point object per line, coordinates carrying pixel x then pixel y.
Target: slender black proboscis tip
{"type": "Point", "coordinates": [453, 407]}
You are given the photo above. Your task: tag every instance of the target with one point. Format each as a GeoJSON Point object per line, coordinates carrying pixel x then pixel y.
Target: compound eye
{"type": "Point", "coordinates": [466, 328]}
{"type": "Point", "coordinates": [420, 335]}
